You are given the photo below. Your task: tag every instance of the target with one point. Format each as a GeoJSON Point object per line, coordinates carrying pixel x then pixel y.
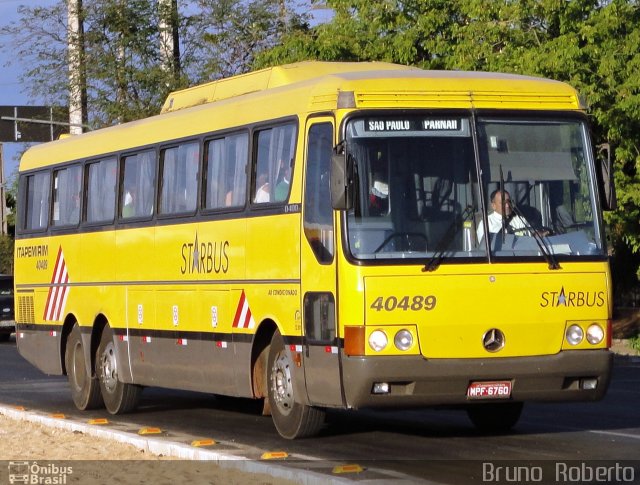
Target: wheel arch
{"type": "Point", "coordinates": [69, 321]}
{"type": "Point", "coordinates": [259, 354]}
{"type": "Point", "coordinates": [99, 323]}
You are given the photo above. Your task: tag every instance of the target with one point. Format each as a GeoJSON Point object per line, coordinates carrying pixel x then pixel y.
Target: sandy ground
{"type": "Point", "coordinates": [46, 451]}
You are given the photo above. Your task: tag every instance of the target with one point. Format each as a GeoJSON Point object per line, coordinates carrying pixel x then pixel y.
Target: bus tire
{"type": "Point", "coordinates": [291, 418]}
{"type": "Point", "coordinates": [119, 397]}
{"type": "Point", "coordinates": [85, 389]}
{"type": "Point", "coordinates": [495, 418]}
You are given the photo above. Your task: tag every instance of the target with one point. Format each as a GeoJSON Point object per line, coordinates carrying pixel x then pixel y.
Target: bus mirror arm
{"type": "Point", "coordinates": [341, 179]}
{"type": "Point", "coordinates": [608, 197]}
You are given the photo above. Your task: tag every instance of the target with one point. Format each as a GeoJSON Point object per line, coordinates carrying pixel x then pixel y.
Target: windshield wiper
{"type": "Point", "coordinates": [445, 241]}
{"type": "Point", "coordinates": [542, 244]}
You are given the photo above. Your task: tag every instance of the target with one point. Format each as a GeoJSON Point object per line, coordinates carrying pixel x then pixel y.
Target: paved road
{"type": "Point", "coordinates": [418, 443]}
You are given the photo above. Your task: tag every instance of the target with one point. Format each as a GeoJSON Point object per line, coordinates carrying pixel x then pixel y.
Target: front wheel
{"type": "Point", "coordinates": [119, 397]}
{"type": "Point", "coordinates": [85, 390]}
{"type": "Point", "coordinates": [292, 419]}
{"type": "Point", "coordinates": [495, 418]}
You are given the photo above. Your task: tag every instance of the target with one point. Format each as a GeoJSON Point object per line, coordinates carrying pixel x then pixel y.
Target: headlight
{"type": "Point", "coordinates": [595, 334]}
{"type": "Point", "coordinates": [403, 340]}
{"type": "Point", "coordinates": [378, 340]}
{"type": "Point", "coordinates": [574, 334]}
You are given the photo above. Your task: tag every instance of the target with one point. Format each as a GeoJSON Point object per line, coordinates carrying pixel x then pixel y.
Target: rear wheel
{"type": "Point", "coordinates": [119, 397]}
{"type": "Point", "coordinates": [495, 418]}
{"type": "Point", "coordinates": [292, 419]}
{"type": "Point", "coordinates": [85, 389]}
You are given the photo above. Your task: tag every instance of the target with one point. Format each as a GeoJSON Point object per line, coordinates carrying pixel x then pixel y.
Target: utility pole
{"type": "Point", "coordinates": [169, 36]}
{"type": "Point", "coordinates": [77, 78]}
{"type": "Point", "coordinates": [3, 201]}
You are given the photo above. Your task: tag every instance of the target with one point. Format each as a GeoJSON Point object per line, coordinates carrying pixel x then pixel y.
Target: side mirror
{"type": "Point", "coordinates": [608, 198]}
{"type": "Point", "coordinates": [341, 179]}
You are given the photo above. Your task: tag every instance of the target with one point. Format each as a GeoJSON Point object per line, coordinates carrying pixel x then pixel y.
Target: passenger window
{"type": "Point", "coordinates": [66, 196]}
{"type": "Point", "coordinates": [36, 189]}
{"type": "Point", "coordinates": [318, 214]}
{"type": "Point", "coordinates": [179, 178]}
{"type": "Point", "coordinates": [226, 174]}
{"type": "Point", "coordinates": [101, 190]}
{"type": "Point", "coordinates": [138, 185]}
{"type": "Point", "coordinates": [273, 164]}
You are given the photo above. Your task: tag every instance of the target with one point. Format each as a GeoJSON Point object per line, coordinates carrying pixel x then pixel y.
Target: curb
{"type": "Point", "coordinates": [179, 450]}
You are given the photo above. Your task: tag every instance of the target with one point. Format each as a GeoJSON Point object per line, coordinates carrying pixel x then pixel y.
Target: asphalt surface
{"type": "Point", "coordinates": [434, 445]}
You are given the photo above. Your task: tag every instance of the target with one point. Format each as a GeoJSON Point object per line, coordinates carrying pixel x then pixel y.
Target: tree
{"type": "Point", "coordinates": [121, 50]}
{"type": "Point", "coordinates": [231, 33]}
{"type": "Point", "coordinates": [124, 48]}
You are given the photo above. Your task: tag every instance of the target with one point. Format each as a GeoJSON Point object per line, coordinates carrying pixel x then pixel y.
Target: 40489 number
{"type": "Point", "coordinates": [405, 303]}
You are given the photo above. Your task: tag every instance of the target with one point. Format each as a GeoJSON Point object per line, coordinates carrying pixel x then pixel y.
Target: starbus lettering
{"type": "Point", "coordinates": [572, 298]}
{"type": "Point", "coordinates": [205, 257]}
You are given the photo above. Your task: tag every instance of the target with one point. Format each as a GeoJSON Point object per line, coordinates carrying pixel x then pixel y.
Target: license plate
{"type": "Point", "coordinates": [489, 390]}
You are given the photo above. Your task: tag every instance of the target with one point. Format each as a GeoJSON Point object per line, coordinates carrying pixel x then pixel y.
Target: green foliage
{"type": "Point", "coordinates": [232, 32]}
{"type": "Point", "coordinates": [6, 255]}
{"type": "Point", "coordinates": [634, 343]}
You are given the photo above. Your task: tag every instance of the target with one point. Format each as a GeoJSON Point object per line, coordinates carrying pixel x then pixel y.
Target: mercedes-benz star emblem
{"type": "Point", "coordinates": [493, 340]}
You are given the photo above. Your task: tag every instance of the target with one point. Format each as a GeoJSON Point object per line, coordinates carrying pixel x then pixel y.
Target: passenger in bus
{"type": "Point", "coordinates": [379, 196]}
{"type": "Point", "coordinates": [514, 224]}
{"type": "Point", "coordinates": [228, 199]}
{"type": "Point", "coordinates": [128, 209]}
{"type": "Point", "coordinates": [282, 188]}
{"type": "Point", "coordinates": [263, 191]}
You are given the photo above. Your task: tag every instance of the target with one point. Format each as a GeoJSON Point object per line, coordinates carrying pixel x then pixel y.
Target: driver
{"type": "Point", "coordinates": [514, 224]}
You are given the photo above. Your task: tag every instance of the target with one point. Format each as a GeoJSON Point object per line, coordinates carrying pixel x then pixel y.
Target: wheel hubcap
{"type": "Point", "coordinates": [281, 383]}
{"type": "Point", "coordinates": [109, 368]}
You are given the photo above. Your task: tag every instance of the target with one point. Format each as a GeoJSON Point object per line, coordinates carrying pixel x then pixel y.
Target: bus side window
{"type": "Point", "coordinates": [179, 183]}
{"type": "Point", "coordinates": [273, 164]}
{"type": "Point", "coordinates": [101, 190]}
{"type": "Point", "coordinates": [66, 196]}
{"type": "Point", "coordinates": [226, 175]}
{"type": "Point", "coordinates": [318, 214]}
{"type": "Point", "coordinates": [138, 185]}
{"type": "Point", "coordinates": [36, 189]}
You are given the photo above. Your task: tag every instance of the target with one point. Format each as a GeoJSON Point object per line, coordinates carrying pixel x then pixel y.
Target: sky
{"type": "Point", "coordinates": [11, 91]}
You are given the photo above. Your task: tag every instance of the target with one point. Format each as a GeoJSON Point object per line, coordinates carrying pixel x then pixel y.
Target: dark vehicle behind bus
{"type": "Point", "coordinates": [7, 318]}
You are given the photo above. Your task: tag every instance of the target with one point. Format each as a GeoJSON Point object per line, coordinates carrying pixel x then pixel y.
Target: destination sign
{"type": "Point", "coordinates": [412, 124]}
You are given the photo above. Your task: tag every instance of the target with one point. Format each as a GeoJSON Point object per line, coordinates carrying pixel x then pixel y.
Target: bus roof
{"type": "Point", "coordinates": [269, 78]}
{"type": "Point", "coordinates": [308, 87]}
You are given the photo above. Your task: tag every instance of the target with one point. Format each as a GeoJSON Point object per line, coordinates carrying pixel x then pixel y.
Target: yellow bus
{"type": "Point", "coordinates": [314, 235]}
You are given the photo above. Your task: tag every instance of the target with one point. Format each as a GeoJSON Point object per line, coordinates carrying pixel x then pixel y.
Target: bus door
{"type": "Point", "coordinates": [318, 272]}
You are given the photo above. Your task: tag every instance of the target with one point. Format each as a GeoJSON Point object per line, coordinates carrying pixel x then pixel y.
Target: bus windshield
{"type": "Point", "coordinates": [421, 184]}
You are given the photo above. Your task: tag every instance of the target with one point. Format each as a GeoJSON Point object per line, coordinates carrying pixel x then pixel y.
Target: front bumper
{"type": "Point", "coordinates": [416, 381]}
